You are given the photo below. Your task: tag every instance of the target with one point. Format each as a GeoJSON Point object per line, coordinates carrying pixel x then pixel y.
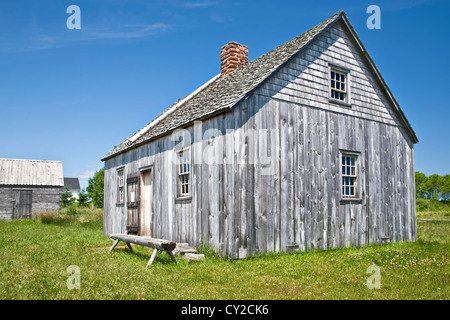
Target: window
{"type": "Point", "coordinates": [120, 185]}
{"type": "Point", "coordinates": [349, 176]}
{"type": "Point", "coordinates": [184, 168]}
{"type": "Point", "coordinates": [338, 85]}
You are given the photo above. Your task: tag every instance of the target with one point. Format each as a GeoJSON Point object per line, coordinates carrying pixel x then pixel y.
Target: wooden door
{"type": "Point", "coordinates": [133, 205]}
{"type": "Point", "coordinates": [146, 203]}
{"type": "Point", "coordinates": [22, 205]}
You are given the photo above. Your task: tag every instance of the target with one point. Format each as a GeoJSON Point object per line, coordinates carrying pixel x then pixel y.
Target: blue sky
{"type": "Point", "coordinates": [72, 95]}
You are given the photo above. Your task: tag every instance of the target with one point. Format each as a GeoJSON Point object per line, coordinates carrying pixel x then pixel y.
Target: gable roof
{"type": "Point", "coordinates": [223, 92]}
{"type": "Point", "coordinates": [72, 183]}
{"type": "Point", "coordinates": [31, 172]}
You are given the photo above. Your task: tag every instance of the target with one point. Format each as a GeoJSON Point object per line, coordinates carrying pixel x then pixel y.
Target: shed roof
{"type": "Point", "coordinates": [72, 183]}
{"type": "Point", "coordinates": [31, 172]}
{"type": "Point", "coordinates": [223, 92]}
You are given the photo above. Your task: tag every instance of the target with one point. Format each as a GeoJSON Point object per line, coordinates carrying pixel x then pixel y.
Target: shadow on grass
{"type": "Point", "coordinates": [142, 254]}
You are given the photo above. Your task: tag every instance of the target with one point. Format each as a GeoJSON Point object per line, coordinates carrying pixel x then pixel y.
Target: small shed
{"type": "Point", "coordinates": [29, 186]}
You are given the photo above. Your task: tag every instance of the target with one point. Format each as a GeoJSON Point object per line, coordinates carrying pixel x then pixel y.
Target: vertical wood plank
{"type": "Point", "coordinates": [284, 180]}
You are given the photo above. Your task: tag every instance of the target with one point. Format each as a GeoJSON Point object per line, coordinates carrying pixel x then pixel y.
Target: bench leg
{"type": "Point", "coordinates": [172, 256]}
{"type": "Point", "coordinates": [155, 251]}
{"type": "Point", "coordinates": [113, 246]}
{"type": "Point", "coordinates": [130, 247]}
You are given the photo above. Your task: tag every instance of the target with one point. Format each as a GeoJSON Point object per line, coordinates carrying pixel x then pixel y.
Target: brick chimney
{"type": "Point", "coordinates": [233, 55]}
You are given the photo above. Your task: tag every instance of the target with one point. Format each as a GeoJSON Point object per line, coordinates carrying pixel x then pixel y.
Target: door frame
{"type": "Point", "coordinates": [133, 204]}
{"type": "Point", "coordinates": [17, 209]}
{"type": "Point", "coordinates": [146, 219]}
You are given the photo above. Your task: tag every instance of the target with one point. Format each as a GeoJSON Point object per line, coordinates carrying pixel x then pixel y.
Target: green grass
{"type": "Point", "coordinates": [35, 255]}
{"type": "Point", "coordinates": [439, 215]}
{"type": "Point", "coordinates": [432, 205]}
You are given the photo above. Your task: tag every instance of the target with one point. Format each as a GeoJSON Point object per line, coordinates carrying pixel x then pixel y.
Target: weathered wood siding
{"type": "Point", "coordinates": [43, 199]}
{"type": "Point", "coordinates": [267, 174]}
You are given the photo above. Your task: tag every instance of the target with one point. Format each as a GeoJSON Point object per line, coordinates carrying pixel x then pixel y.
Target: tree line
{"type": "Point", "coordinates": [433, 187]}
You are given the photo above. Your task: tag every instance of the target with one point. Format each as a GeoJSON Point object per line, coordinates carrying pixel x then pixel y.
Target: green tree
{"type": "Point", "coordinates": [95, 188]}
{"type": "Point", "coordinates": [421, 180]}
{"type": "Point", "coordinates": [67, 198]}
{"type": "Point", "coordinates": [432, 187]}
{"type": "Point", "coordinates": [445, 187]}
{"type": "Point", "coordinates": [83, 198]}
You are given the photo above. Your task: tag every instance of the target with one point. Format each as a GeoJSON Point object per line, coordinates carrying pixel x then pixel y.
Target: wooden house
{"type": "Point", "coordinates": [29, 186]}
{"type": "Point", "coordinates": [304, 147]}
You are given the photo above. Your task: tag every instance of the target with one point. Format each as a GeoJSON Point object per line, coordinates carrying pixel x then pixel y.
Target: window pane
{"type": "Point", "coordinates": [332, 74]}
{"type": "Point", "coordinates": [184, 169]}
{"type": "Point", "coordinates": [348, 169]}
{"type": "Point", "coordinates": [333, 84]}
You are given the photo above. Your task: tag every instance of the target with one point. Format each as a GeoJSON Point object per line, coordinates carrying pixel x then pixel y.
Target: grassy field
{"type": "Point", "coordinates": [35, 255]}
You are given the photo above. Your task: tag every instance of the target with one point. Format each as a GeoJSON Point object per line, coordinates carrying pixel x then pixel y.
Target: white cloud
{"type": "Point", "coordinates": [128, 32]}
{"type": "Point", "coordinates": [86, 174]}
{"type": "Point", "coordinates": [47, 41]}
{"type": "Point", "coordinates": [196, 4]}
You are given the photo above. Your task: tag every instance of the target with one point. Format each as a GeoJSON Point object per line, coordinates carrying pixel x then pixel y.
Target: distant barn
{"type": "Point", "coordinates": [29, 186]}
{"type": "Point", "coordinates": [302, 148]}
{"type": "Point", "coordinates": [73, 186]}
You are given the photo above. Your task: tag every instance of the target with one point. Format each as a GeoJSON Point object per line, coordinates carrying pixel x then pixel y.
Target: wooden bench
{"type": "Point", "coordinates": [156, 244]}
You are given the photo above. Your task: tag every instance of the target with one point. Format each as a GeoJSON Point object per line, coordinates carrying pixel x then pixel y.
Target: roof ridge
{"type": "Point", "coordinates": [317, 29]}
{"type": "Point", "coordinates": [29, 160]}
{"type": "Point", "coordinates": [167, 112]}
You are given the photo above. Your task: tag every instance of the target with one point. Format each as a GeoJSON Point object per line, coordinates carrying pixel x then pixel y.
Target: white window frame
{"type": "Point", "coordinates": [120, 185]}
{"type": "Point", "coordinates": [332, 82]}
{"type": "Point", "coordinates": [349, 184]}
{"type": "Point", "coordinates": [184, 173]}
